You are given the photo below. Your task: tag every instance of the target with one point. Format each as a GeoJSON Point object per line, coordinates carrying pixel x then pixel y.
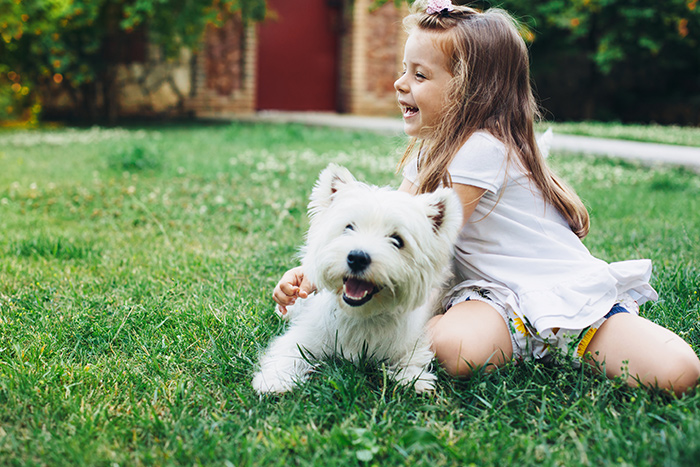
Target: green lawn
{"type": "Point", "coordinates": [136, 268]}
{"type": "Point", "coordinates": [678, 135]}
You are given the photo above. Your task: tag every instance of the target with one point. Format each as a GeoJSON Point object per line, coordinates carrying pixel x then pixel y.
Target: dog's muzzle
{"type": "Point", "coordinates": [357, 292]}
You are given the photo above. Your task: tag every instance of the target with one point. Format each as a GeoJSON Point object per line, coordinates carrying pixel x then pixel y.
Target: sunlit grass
{"type": "Point", "coordinates": [136, 268]}
{"type": "Point", "coordinates": [664, 134]}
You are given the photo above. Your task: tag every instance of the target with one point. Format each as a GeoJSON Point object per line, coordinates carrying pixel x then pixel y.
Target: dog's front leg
{"type": "Point", "coordinates": [285, 363]}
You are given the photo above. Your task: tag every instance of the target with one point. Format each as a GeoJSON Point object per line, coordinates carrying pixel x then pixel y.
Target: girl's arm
{"type": "Point", "coordinates": [408, 187]}
{"type": "Point", "coordinates": [468, 195]}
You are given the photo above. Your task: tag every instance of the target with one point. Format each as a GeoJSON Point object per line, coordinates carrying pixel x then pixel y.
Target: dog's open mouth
{"type": "Point", "coordinates": [357, 292]}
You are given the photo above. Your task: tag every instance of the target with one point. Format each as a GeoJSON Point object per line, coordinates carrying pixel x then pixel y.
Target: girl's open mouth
{"type": "Point", "coordinates": [409, 111]}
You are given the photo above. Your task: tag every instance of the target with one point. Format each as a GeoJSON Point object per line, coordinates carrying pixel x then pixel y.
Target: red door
{"type": "Point", "coordinates": [297, 56]}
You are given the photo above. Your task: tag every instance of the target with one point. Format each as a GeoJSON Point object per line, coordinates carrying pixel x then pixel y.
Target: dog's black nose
{"type": "Point", "coordinates": [358, 260]}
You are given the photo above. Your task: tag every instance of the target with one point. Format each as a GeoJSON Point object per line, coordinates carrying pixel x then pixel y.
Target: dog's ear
{"type": "Point", "coordinates": [544, 142]}
{"type": "Point", "coordinates": [332, 179]}
{"type": "Point", "coordinates": [444, 211]}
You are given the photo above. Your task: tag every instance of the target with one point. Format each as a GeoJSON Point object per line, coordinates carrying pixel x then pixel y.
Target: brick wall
{"type": "Point", "coordinates": [375, 57]}
{"type": "Point", "coordinates": [220, 78]}
{"type": "Point", "coordinates": [224, 74]}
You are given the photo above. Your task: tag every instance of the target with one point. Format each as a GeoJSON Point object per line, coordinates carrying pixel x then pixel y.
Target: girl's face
{"type": "Point", "coordinates": [421, 89]}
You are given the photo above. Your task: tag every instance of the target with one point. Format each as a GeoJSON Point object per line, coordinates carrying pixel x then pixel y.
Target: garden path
{"type": "Point", "coordinates": [649, 153]}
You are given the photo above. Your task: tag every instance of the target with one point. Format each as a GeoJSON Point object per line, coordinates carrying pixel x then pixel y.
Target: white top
{"type": "Point", "coordinates": [523, 251]}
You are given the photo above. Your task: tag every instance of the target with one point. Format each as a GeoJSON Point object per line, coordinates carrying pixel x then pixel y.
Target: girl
{"type": "Point", "coordinates": [529, 288]}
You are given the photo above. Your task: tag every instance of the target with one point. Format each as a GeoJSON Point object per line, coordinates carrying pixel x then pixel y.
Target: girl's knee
{"type": "Point", "coordinates": [451, 352]}
{"type": "Point", "coordinates": [645, 353]}
{"type": "Point", "coordinates": [681, 374]}
{"type": "Point", "coordinates": [677, 367]}
{"type": "Point", "coordinates": [464, 340]}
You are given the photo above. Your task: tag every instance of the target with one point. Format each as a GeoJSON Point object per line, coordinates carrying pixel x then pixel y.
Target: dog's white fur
{"type": "Point", "coordinates": [363, 236]}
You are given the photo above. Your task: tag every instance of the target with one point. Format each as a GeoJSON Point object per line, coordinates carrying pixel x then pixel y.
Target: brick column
{"type": "Point", "coordinates": [224, 71]}
{"type": "Point", "coordinates": [377, 39]}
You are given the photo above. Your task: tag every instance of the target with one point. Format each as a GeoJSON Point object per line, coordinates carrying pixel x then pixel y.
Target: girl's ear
{"type": "Point", "coordinates": [445, 212]}
{"type": "Point", "coordinates": [332, 179]}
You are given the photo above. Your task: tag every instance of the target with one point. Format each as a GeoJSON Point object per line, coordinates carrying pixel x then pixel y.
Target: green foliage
{"type": "Point", "coordinates": [75, 43]}
{"type": "Point", "coordinates": [615, 31]}
{"type": "Point", "coordinates": [633, 60]}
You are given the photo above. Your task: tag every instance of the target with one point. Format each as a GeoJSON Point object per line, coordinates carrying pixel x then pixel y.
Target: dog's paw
{"type": "Point", "coordinates": [272, 383]}
{"type": "Point", "coordinates": [424, 385]}
{"type": "Point", "coordinates": [422, 380]}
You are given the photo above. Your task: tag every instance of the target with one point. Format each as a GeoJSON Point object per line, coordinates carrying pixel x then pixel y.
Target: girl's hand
{"type": "Point", "coordinates": [291, 286]}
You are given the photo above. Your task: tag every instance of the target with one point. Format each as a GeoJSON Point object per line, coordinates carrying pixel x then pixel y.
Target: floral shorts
{"type": "Point", "coordinates": [551, 343]}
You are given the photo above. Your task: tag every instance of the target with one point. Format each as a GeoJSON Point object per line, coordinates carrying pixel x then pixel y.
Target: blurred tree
{"type": "Point", "coordinates": [77, 44]}
{"type": "Point", "coordinates": [615, 59]}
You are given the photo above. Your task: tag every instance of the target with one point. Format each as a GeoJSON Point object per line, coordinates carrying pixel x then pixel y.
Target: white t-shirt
{"type": "Point", "coordinates": [523, 251]}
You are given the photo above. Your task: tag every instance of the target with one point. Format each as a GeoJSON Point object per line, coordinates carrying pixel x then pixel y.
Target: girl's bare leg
{"type": "Point", "coordinates": [643, 352]}
{"type": "Point", "coordinates": [470, 333]}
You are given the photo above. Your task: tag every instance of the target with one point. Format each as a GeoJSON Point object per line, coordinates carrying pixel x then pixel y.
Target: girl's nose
{"type": "Point", "coordinates": [400, 84]}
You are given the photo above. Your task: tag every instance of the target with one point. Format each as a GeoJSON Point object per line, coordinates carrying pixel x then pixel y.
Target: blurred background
{"type": "Point", "coordinates": [107, 61]}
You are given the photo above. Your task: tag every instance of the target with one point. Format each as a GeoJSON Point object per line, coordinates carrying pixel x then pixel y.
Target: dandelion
{"type": "Point", "coordinates": [520, 326]}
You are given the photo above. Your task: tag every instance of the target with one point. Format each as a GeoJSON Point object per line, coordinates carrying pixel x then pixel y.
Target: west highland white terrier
{"type": "Point", "coordinates": [375, 255]}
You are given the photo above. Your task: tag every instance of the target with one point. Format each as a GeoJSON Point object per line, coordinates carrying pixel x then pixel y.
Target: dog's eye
{"type": "Point", "coordinates": [349, 227]}
{"type": "Point", "coordinates": [397, 240]}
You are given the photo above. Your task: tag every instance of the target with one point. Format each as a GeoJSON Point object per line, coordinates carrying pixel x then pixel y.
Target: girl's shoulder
{"type": "Point", "coordinates": [483, 138]}
{"type": "Point", "coordinates": [480, 162]}
{"type": "Point", "coordinates": [482, 146]}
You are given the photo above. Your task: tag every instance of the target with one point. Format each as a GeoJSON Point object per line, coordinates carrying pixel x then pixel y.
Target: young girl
{"type": "Point", "coordinates": [529, 288]}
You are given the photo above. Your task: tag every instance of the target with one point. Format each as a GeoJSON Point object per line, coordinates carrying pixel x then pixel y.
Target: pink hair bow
{"type": "Point", "coordinates": [438, 6]}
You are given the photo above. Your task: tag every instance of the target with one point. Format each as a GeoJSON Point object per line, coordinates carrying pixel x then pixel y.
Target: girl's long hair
{"type": "Point", "coordinates": [490, 90]}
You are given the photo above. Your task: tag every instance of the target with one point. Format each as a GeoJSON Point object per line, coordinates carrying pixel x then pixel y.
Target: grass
{"type": "Point", "coordinates": [135, 275]}
{"type": "Point", "coordinates": [664, 134]}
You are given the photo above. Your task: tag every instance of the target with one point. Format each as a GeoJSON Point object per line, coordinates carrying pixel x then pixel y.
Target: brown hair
{"type": "Point", "coordinates": [489, 90]}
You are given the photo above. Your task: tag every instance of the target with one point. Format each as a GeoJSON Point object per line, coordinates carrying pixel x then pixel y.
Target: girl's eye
{"type": "Point", "coordinates": [420, 76]}
{"type": "Point", "coordinates": [397, 240]}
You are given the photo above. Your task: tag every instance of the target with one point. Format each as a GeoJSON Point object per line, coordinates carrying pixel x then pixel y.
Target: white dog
{"type": "Point", "coordinates": [375, 255]}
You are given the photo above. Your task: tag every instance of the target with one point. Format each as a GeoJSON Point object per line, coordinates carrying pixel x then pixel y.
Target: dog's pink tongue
{"type": "Point", "coordinates": [357, 288]}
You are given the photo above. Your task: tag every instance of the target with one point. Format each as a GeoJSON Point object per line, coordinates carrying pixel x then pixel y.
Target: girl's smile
{"type": "Point", "coordinates": [421, 88]}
